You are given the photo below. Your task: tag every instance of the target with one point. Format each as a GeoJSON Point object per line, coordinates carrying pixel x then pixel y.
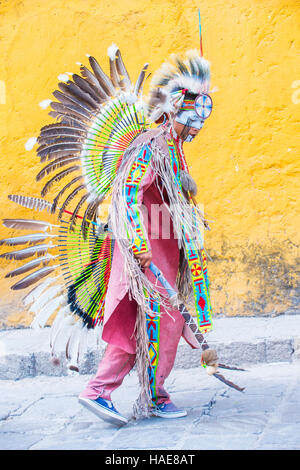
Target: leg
{"type": "Point", "coordinates": [114, 366]}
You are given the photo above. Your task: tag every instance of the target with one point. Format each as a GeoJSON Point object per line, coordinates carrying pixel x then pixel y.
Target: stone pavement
{"type": "Point", "coordinates": [43, 413]}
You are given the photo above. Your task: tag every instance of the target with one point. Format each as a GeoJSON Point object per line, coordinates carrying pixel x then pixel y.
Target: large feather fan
{"type": "Point", "coordinates": [67, 264]}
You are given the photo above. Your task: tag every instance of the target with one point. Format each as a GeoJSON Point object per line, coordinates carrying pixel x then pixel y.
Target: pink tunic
{"type": "Point", "coordinates": [120, 312]}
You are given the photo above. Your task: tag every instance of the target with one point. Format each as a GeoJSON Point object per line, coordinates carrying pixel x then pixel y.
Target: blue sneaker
{"type": "Point", "coordinates": [168, 410]}
{"type": "Point", "coordinates": [103, 409]}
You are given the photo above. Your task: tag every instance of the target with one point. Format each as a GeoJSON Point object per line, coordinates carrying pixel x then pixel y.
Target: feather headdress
{"type": "Point", "coordinates": [191, 74]}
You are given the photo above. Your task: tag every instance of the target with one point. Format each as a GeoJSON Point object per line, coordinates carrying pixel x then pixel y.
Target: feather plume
{"type": "Point", "coordinates": [71, 110]}
{"type": "Point", "coordinates": [37, 290]}
{"type": "Point", "coordinates": [57, 137]}
{"type": "Point", "coordinates": [88, 75]}
{"type": "Point", "coordinates": [140, 80]}
{"type": "Point", "coordinates": [75, 91]}
{"type": "Point", "coordinates": [180, 64]}
{"type": "Point", "coordinates": [126, 82]}
{"type": "Point", "coordinates": [46, 150]}
{"type": "Point", "coordinates": [70, 100]}
{"type": "Point", "coordinates": [114, 76]}
{"type": "Point", "coordinates": [58, 177]}
{"type": "Point", "coordinates": [67, 152]}
{"type": "Point", "coordinates": [27, 252]}
{"type": "Point", "coordinates": [59, 127]}
{"type": "Point", "coordinates": [30, 202]}
{"type": "Point", "coordinates": [68, 115]}
{"type": "Point", "coordinates": [44, 260]}
{"type": "Point", "coordinates": [62, 331]}
{"type": "Point", "coordinates": [102, 78]}
{"type": "Point", "coordinates": [58, 163]}
{"type": "Point", "coordinates": [158, 104]}
{"type": "Point", "coordinates": [46, 312]}
{"type": "Point", "coordinates": [60, 318]}
{"type": "Point", "coordinates": [76, 345]}
{"type": "Point", "coordinates": [69, 199]}
{"type": "Point", "coordinates": [89, 88]}
{"type": "Point", "coordinates": [72, 346]}
{"type": "Point", "coordinates": [31, 239]}
{"type": "Point", "coordinates": [27, 224]}
{"type": "Point", "coordinates": [46, 297]}
{"type": "Point", "coordinates": [112, 51]}
{"type": "Point", "coordinates": [55, 201]}
{"type": "Point", "coordinates": [77, 209]}
{"type": "Point", "coordinates": [34, 277]}
{"type": "Point", "coordinates": [61, 132]}
{"type": "Point", "coordinates": [67, 118]}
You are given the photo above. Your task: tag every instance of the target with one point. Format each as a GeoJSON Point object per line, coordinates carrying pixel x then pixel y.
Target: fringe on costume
{"type": "Point", "coordinates": [140, 288]}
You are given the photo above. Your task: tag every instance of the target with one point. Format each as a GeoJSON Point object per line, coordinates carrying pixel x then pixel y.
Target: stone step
{"type": "Point", "coordinates": [238, 340]}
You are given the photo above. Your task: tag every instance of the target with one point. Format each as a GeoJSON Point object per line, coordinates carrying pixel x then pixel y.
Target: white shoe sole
{"type": "Point", "coordinates": [176, 414]}
{"type": "Point", "coordinates": [102, 412]}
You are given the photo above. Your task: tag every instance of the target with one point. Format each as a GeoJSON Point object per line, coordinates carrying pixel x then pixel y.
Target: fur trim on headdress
{"type": "Point", "coordinates": [191, 74]}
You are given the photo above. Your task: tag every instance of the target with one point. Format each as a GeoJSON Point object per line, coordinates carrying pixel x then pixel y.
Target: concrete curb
{"type": "Point", "coordinates": [238, 341]}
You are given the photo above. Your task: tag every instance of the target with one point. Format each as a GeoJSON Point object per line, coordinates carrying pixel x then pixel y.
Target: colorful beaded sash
{"type": "Point", "coordinates": [195, 257]}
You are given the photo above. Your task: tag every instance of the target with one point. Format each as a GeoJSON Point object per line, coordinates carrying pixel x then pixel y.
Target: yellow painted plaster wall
{"type": "Point", "coordinates": [246, 159]}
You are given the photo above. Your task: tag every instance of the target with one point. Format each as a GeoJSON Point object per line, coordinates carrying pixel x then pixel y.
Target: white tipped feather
{"type": "Point", "coordinates": [44, 104]}
{"type": "Point", "coordinates": [63, 77]}
{"type": "Point", "coordinates": [47, 296]}
{"type": "Point", "coordinates": [46, 312]}
{"type": "Point", "coordinates": [61, 314]}
{"type": "Point", "coordinates": [76, 344]}
{"type": "Point", "coordinates": [61, 334]}
{"type": "Point", "coordinates": [30, 143]}
{"type": "Point", "coordinates": [112, 51]}
{"type": "Point", "coordinates": [34, 293]}
{"type": "Point", "coordinates": [83, 344]}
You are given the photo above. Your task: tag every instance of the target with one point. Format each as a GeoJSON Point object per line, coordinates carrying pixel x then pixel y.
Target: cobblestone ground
{"type": "Point", "coordinates": [43, 413]}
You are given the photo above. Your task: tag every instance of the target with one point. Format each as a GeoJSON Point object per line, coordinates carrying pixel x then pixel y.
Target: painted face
{"type": "Point", "coordinates": [193, 113]}
{"type": "Point", "coordinates": [190, 118]}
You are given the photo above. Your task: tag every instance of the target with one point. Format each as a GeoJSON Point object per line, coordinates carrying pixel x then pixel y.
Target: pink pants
{"type": "Point", "coordinates": [117, 363]}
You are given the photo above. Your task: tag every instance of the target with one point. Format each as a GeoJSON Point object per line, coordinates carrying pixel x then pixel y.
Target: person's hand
{"type": "Point", "coordinates": [144, 259]}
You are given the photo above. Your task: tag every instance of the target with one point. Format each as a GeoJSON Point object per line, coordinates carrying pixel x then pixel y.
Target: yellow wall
{"type": "Point", "coordinates": [246, 158]}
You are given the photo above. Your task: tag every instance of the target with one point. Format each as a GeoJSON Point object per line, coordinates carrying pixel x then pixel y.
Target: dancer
{"type": "Point", "coordinates": [115, 141]}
